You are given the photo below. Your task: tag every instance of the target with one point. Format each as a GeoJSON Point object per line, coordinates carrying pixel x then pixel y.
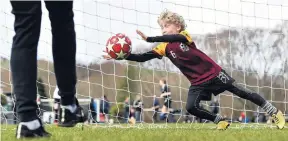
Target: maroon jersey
{"type": "Point", "coordinates": [192, 62]}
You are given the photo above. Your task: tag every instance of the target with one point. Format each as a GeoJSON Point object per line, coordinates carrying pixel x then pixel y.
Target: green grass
{"type": "Point", "coordinates": [159, 132]}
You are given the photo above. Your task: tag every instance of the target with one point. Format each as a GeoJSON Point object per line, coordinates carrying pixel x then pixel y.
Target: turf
{"type": "Point", "coordinates": [159, 132]}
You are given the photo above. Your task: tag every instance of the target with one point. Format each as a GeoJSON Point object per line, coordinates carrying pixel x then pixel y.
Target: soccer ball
{"type": "Point", "coordinates": [119, 46]}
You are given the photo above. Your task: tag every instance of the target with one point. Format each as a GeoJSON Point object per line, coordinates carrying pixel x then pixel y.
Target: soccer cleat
{"type": "Point", "coordinates": [132, 121]}
{"type": "Point", "coordinates": [222, 125]}
{"type": "Point", "coordinates": [279, 119]}
{"type": "Point", "coordinates": [69, 119]}
{"type": "Point", "coordinates": [23, 131]}
{"type": "Point", "coordinates": [80, 114]}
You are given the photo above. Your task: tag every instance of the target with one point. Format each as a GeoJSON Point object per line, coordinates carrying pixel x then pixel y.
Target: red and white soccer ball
{"type": "Point", "coordinates": [119, 46]}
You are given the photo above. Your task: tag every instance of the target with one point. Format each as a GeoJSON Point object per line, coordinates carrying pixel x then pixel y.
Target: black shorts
{"type": "Point", "coordinates": [214, 86]}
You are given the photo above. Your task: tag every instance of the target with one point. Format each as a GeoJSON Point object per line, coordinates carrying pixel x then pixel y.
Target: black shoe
{"type": "Point", "coordinates": [69, 119]}
{"type": "Point", "coordinates": [80, 115]}
{"type": "Point", "coordinates": [23, 131]}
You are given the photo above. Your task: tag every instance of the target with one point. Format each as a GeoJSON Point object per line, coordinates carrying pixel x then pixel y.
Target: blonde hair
{"type": "Point", "coordinates": [171, 17]}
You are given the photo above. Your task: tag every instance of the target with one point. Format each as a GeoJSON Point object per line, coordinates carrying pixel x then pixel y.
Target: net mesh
{"type": "Point", "coordinates": [247, 38]}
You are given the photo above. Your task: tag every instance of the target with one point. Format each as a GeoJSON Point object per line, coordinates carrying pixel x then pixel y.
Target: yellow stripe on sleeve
{"type": "Point", "coordinates": [186, 34]}
{"type": "Point", "coordinates": [160, 49]}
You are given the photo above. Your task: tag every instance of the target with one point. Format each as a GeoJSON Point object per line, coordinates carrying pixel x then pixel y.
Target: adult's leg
{"type": "Point", "coordinates": [24, 56]}
{"type": "Point", "coordinates": [63, 48]}
{"type": "Point", "coordinates": [24, 67]}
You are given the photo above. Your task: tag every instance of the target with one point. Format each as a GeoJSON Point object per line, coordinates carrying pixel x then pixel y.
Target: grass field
{"type": "Point", "coordinates": [159, 132]}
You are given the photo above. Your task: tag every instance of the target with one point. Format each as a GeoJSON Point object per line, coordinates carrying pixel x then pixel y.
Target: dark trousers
{"type": "Point", "coordinates": [155, 115]}
{"type": "Point", "coordinates": [216, 86]}
{"type": "Point", "coordinates": [126, 115]}
{"type": "Point", "coordinates": [24, 52]}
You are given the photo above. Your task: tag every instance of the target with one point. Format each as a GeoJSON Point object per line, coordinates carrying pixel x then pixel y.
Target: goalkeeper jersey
{"type": "Point", "coordinates": [183, 53]}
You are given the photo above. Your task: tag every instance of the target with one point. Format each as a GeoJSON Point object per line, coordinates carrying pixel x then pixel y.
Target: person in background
{"type": "Point", "coordinates": [132, 119]}
{"type": "Point", "coordinates": [261, 116]}
{"type": "Point", "coordinates": [105, 107]}
{"type": "Point", "coordinates": [93, 107]}
{"type": "Point", "coordinates": [126, 109]}
{"type": "Point", "coordinates": [167, 112]}
{"type": "Point", "coordinates": [166, 94]}
{"type": "Point", "coordinates": [243, 118]}
{"type": "Point", "coordinates": [4, 100]}
{"type": "Point", "coordinates": [156, 106]}
{"type": "Point", "coordinates": [138, 106]}
{"type": "Point", "coordinates": [129, 112]}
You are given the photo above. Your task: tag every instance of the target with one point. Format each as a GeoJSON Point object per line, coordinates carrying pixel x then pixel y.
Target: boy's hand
{"type": "Point", "coordinates": [106, 56]}
{"type": "Point", "coordinates": [143, 36]}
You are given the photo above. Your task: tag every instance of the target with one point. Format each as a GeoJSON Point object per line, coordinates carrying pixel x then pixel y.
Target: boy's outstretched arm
{"type": "Point", "coordinates": [181, 37]}
{"type": "Point", "coordinates": [143, 57]}
{"type": "Point", "coordinates": [168, 38]}
{"type": "Point", "coordinates": [138, 57]}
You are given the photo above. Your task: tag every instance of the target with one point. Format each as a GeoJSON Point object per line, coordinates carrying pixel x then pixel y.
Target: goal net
{"type": "Point", "coordinates": [248, 38]}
